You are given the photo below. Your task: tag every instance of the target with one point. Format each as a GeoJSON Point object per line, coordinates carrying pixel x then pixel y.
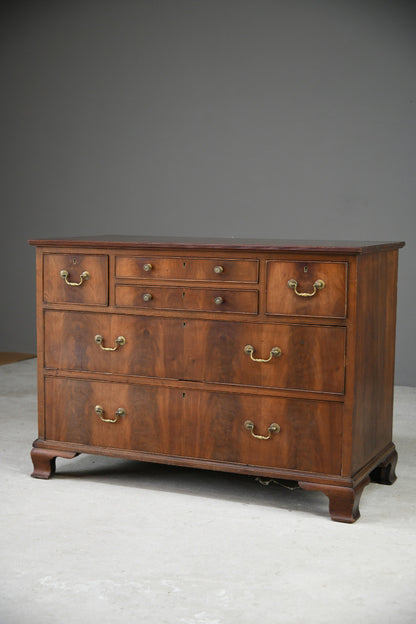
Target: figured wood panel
{"type": "Point", "coordinates": [202, 425]}
{"type": "Point", "coordinates": [154, 346]}
{"type": "Point", "coordinates": [178, 268]}
{"type": "Point", "coordinates": [375, 351]}
{"type": "Point", "coordinates": [94, 291]}
{"type": "Point", "coordinates": [177, 298]}
{"type": "Point", "coordinates": [137, 242]}
{"type": "Point", "coordinates": [329, 302]}
{"type": "Point", "coordinates": [312, 357]}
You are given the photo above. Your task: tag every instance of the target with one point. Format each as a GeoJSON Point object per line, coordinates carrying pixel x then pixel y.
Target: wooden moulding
{"type": "Point", "coordinates": [344, 495]}
{"type": "Point", "coordinates": [117, 241]}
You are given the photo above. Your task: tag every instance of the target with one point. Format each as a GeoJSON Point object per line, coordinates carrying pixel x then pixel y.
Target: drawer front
{"type": "Point", "coordinates": [213, 269]}
{"type": "Point", "coordinates": [84, 281]}
{"type": "Point", "coordinates": [197, 299]}
{"type": "Point", "coordinates": [153, 346]}
{"type": "Point", "coordinates": [312, 358]}
{"type": "Point", "coordinates": [320, 289]}
{"type": "Point", "coordinates": [202, 425]}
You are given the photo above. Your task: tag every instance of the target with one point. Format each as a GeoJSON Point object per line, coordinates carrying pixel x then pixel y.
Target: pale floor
{"type": "Point", "coordinates": [116, 541]}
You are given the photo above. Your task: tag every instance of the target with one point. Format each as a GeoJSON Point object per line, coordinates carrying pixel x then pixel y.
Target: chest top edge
{"type": "Point", "coordinates": [238, 244]}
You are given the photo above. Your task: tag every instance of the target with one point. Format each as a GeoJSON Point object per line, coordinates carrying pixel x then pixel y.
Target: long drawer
{"type": "Point", "coordinates": [75, 278]}
{"type": "Point", "coordinates": [302, 435]}
{"type": "Point", "coordinates": [297, 357]}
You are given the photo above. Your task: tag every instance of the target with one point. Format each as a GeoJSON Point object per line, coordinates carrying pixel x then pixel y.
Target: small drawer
{"type": "Point", "coordinates": [75, 278]}
{"type": "Point", "coordinates": [149, 296]}
{"type": "Point", "coordinates": [210, 269]}
{"type": "Point", "coordinates": [301, 435]}
{"type": "Point", "coordinates": [307, 288]}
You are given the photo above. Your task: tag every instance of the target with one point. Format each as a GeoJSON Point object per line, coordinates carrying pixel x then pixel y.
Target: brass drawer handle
{"type": "Point", "coordinates": [147, 266]}
{"type": "Point", "coordinates": [99, 410]}
{"type": "Point", "coordinates": [319, 284]}
{"type": "Point", "coordinates": [274, 428]}
{"type": "Point", "coordinates": [274, 352]}
{"type": "Point", "coordinates": [218, 300]}
{"type": "Point", "coordinates": [147, 297]}
{"type": "Point", "coordinates": [120, 341]}
{"type": "Point", "coordinates": [218, 269]}
{"type": "Point", "coordinates": [82, 278]}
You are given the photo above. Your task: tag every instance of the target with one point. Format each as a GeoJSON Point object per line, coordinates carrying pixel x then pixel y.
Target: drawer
{"type": "Point", "coordinates": [197, 424]}
{"type": "Point", "coordinates": [312, 357]}
{"type": "Point", "coordinates": [84, 281]}
{"type": "Point", "coordinates": [197, 299]}
{"type": "Point", "coordinates": [307, 288]}
{"type": "Point", "coordinates": [212, 269]}
{"type": "Point", "coordinates": [153, 346]}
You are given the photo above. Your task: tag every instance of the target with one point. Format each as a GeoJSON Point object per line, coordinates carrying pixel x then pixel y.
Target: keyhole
{"type": "Point", "coordinates": [74, 260]}
{"type": "Point", "coordinates": [305, 269]}
{"type": "Point", "coordinates": [183, 294]}
{"type": "Point", "coordinates": [184, 264]}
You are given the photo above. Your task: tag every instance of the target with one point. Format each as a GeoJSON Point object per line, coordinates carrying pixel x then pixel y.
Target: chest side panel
{"type": "Point", "coordinates": [375, 351]}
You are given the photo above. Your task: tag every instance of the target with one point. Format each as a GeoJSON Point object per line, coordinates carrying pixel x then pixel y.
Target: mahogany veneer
{"type": "Point", "coordinates": [271, 358]}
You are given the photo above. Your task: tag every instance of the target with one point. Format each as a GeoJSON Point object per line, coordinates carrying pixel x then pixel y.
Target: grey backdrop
{"type": "Point", "coordinates": [262, 118]}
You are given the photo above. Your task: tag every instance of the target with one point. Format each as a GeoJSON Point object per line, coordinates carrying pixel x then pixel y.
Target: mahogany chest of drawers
{"type": "Point", "coordinates": [268, 358]}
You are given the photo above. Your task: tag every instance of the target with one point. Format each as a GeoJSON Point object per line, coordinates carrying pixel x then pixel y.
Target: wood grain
{"type": "Point", "coordinates": [120, 241]}
{"type": "Point", "coordinates": [92, 292]}
{"type": "Point", "coordinates": [184, 298]}
{"type": "Point", "coordinates": [154, 346]}
{"type": "Point", "coordinates": [196, 424]}
{"type": "Point", "coordinates": [44, 461]}
{"type": "Point", "coordinates": [312, 357]}
{"type": "Point", "coordinates": [183, 377]}
{"type": "Point", "coordinates": [177, 268]}
{"type": "Point", "coordinates": [331, 301]}
{"type": "Point", "coordinates": [343, 501]}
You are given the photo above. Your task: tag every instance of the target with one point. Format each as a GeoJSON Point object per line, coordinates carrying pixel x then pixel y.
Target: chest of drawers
{"type": "Point", "coordinates": [268, 358]}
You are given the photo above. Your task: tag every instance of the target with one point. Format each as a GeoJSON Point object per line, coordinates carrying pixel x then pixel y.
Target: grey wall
{"type": "Point", "coordinates": [262, 118]}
